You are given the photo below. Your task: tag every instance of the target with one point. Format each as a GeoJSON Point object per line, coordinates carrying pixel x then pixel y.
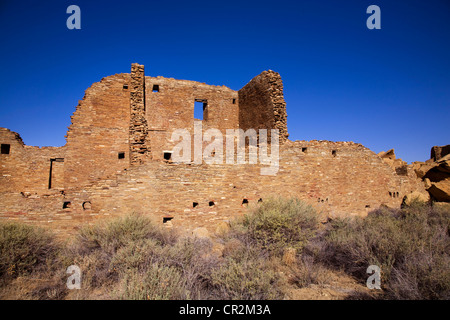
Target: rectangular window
{"type": "Point", "coordinates": [155, 88]}
{"type": "Point", "coordinates": [199, 109]}
{"type": "Point", "coordinates": [6, 148]}
{"type": "Point", "coordinates": [121, 155]}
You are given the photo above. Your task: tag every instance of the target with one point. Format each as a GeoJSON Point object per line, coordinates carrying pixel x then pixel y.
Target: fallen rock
{"type": "Point", "coordinates": [201, 233]}
{"type": "Point", "coordinates": [427, 183]}
{"type": "Point", "coordinates": [222, 228]}
{"type": "Point", "coordinates": [217, 249]}
{"type": "Point", "coordinates": [421, 169]}
{"type": "Point", "coordinates": [440, 190]}
{"type": "Point", "coordinates": [415, 196]}
{"type": "Point", "coordinates": [444, 164]}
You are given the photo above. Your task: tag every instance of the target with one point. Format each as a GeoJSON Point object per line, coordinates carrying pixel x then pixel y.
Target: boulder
{"type": "Point", "coordinates": [435, 173]}
{"type": "Point", "coordinates": [422, 168]}
{"type": "Point", "coordinates": [443, 164]}
{"type": "Point", "coordinates": [416, 196]}
{"type": "Point", "coordinates": [222, 228]}
{"type": "Point", "coordinates": [201, 233]}
{"type": "Point", "coordinates": [440, 190]}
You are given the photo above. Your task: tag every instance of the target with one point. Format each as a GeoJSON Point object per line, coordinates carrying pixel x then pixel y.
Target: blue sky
{"type": "Point", "coordinates": [387, 88]}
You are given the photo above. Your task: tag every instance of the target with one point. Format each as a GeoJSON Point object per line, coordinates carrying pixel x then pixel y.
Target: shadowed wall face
{"type": "Point", "coordinates": [262, 105]}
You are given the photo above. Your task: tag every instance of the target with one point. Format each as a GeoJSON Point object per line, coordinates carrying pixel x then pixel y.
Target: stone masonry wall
{"type": "Point", "coordinates": [99, 133]}
{"type": "Point", "coordinates": [338, 178]}
{"type": "Point", "coordinates": [129, 118]}
{"type": "Point", "coordinates": [29, 170]}
{"type": "Point", "coordinates": [262, 105]}
{"type": "Point", "coordinates": [170, 106]}
{"type": "Point", "coordinates": [139, 145]}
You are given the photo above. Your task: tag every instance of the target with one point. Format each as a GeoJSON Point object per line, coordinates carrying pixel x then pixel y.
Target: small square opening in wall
{"type": "Point", "coordinates": [245, 202]}
{"type": "Point", "coordinates": [155, 88]}
{"type": "Point", "coordinates": [125, 87]}
{"type": "Point", "coordinates": [121, 155]}
{"type": "Point", "coordinates": [211, 204]}
{"type": "Point", "coordinates": [194, 204]}
{"type": "Point", "coordinates": [66, 204]}
{"type": "Point", "coordinates": [304, 149]}
{"type": "Point", "coordinates": [6, 148]}
{"type": "Point", "coordinates": [167, 219]}
{"type": "Point", "coordinates": [234, 101]}
{"type": "Point", "coordinates": [167, 156]}
{"type": "Point", "coordinates": [334, 153]}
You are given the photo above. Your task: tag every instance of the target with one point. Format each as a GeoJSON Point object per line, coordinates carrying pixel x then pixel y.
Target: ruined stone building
{"type": "Point", "coordinates": [117, 159]}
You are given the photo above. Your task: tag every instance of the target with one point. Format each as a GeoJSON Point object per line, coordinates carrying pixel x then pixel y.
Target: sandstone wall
{"type": "Point", "coordinates": [171, 107]}
{"type": "Point", "coordinates": [27, 169]}
{"type": "Point", "coordinates": [262, 105]}
{"type": "Point", "coordinates": [128, 119]}
{"type": "Point", "coordinates": [99, 133]}
{"type": "Point", "coordinates": [338, 178]}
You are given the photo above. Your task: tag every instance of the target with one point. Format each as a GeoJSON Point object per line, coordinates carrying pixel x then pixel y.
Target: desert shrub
{"type": "Point", "coordinates": [158, 282]}
{"type": "Point", "coordinates": [118, 232]}
{"type": "Point", "coordinates": [189, 257]}
{"type": "Point", "coordinates": [245, 275]}
{"type": "Point", "coordinates": [106, 249]}
{"type": "Point", "coordinates": [307, 271]}
{"type": "Point", "coordinates": [25, 249]}
{"type": "Point", "coordinates": [276, 224]}
{"type": "Point", "coordinates": [411, 246]}
{"type": "Point", "coordinates": [126, 250]}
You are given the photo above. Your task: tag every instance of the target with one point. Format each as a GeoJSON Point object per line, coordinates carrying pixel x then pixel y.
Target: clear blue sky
{"type": "Point", "coordinates": [387, 88]}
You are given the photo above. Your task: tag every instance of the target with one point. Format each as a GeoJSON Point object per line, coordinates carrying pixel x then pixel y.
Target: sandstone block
{"type": "Point", "coordinates": [416, 196]}
{"type": "Point", "coordinates": [440, 190]}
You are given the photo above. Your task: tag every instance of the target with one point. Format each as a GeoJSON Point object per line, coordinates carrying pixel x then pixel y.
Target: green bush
{"type": "Point", "coordinates": [277, 224]}
{"type": "Point", "coordinates": [24, 249]}
{"type": "Point", "coordinates": [411, 246]}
